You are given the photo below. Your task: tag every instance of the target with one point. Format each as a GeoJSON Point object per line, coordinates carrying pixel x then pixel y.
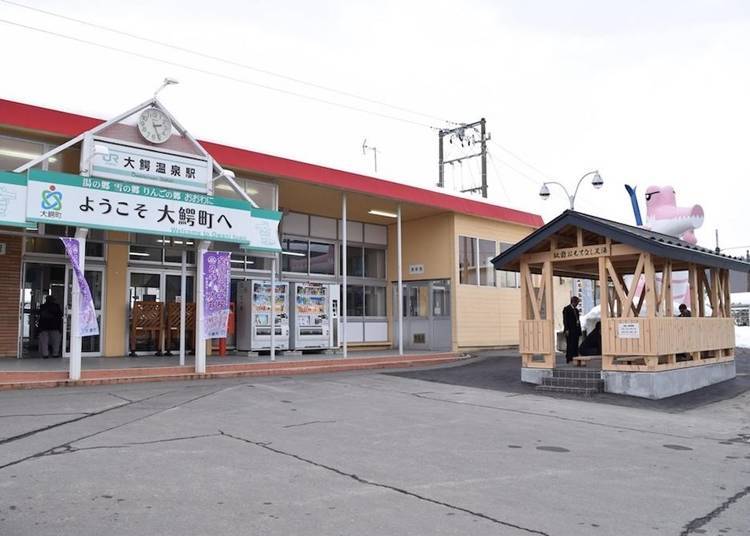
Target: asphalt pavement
{"type": "Point", "coordinates": [369, 453]}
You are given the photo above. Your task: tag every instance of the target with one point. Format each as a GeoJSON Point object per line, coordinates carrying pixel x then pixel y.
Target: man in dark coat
{"type": "Point", "coordinates": [572, 326]}
{"type": "Point", "coordinates": [50, 327]}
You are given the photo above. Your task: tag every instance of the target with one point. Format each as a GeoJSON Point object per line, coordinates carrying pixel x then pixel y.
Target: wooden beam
{"type": "Point", "coordinates": [636, 280]}
{"type": "Point", "coordinates": [727, 295]}
{"type": "Point", "coordinates": [714, 293]}
{"type": "Point", "coordinates": [579, 237]}
{"type": "Point", "coordinates": [650, 283]}
{"type": "Point", "coordinates": [666, 282]}
{"type": "Point", "coordinates": [700, 278]}
{"type": "Point", "coordinates": [615, 281]}
{"type": "Point", "coordinates": [605, 303]}
{"type": "Point", "coordinates": [532, 295]}
{"type": "Point", "coordinates": [524, 292]}
{"type": "Point", "coordinates": [693, 282]}
{"type": "Point", "coordinates": [549, 294]}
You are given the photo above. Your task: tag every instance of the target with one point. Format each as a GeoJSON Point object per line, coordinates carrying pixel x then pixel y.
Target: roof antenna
{"type": "Point", "coordinates": [167, 82]}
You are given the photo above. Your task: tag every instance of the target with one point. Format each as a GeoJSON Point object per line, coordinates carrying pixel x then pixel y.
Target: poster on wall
{"type": "Point", "coordinates": [87, 324]}
{"type": "Point", "coordinates": [216, 286]}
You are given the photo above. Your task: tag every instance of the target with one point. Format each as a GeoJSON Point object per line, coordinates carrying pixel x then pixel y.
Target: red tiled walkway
{"type": "Point", "coordinates": [35, 379]}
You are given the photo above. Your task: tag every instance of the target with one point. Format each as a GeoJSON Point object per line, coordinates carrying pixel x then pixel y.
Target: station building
{"type": "Point", "coordinates": [453, 298]}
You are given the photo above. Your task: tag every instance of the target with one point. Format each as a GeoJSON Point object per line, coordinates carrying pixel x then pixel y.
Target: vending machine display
{"type": "Point", "coordinates": [254, 316]}
{"type": "Point", "coordinates": [310, 316]}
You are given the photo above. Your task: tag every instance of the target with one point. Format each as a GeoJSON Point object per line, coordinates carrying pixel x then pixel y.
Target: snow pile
{"type": "Point", "coordinates": [589, 320]}
{"type": "Point", "coordinates": [740, 298]}
{"type": "Point", "coordinates": [742, 336]}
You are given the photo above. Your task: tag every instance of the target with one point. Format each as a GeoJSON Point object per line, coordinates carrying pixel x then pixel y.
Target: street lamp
{"type": "Point", "coordinates": [596, 181]}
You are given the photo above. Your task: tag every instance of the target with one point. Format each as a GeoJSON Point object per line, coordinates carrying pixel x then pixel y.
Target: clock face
{"type": "Point", "coordinates": [154, 125]}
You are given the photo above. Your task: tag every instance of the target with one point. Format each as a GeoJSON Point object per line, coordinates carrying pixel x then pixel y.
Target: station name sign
{"type": "Point", "coordinates": [149, 166]}
{"type": "Point", "coordinates": [584, 252]}
{"type": "Point", "coordinates": [97, 203]}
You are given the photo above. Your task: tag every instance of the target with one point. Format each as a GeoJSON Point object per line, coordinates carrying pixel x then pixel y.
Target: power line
{"type": "Point", "coordinates": [514, 155]}
{"type": "Point", "coordinates": [219, 75]}
{"type": "Point", "coordinates": [499, 178]}
{"type": "Point", "coordinates": [227, 61]}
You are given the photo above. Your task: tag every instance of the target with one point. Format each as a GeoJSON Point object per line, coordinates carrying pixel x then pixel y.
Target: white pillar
{"type": "Point", "coordinates": [74, 371]}
{"type": "Point", "coordinates": [200, 342]}
{"type": "Point", "coordinates": [343, 274]}
{"type": "Point", "coordinates": [400, 284]}
{"type": "Point", "coordinates": [183, 305]}
{"type": "Point", "coordinates": [273, 308]}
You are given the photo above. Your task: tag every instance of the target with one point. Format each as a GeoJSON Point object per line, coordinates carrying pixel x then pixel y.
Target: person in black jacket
{"type": "Point", "coordinates": [592, 342]}
{"type": "Point", "coordinates": [572, 327]}
{"type": "Point", "coordinates": [50, 327]}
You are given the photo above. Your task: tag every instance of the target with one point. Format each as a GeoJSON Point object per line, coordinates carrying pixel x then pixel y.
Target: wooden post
{"type": "Point", "coordinates": [549, 305]}
{"type": "Point", "coordinates": [714, 293]}
{"type": "Point", "coordinates": [700, 276]}
{"type": "Point", "coordinates": [666, 281]}
{"type": "Point", "coordinates": [604, 308]}
{"type": "Point", "coordinates": [525, 358]}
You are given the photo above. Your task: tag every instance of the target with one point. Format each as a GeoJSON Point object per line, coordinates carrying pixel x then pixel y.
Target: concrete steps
{"type": "Point", "coordinates": [573, 381]}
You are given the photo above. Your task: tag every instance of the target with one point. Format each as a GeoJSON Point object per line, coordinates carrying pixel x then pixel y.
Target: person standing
{"type": "Point", "coordinates": [50, 327]}
{"type": "Point", "coordinates": [684, 311]}
{"type": "Point", "coordinates": [572, 327]}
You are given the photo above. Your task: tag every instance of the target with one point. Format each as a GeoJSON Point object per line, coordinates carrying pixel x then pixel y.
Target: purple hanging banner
{"type": "Point", "coordinates": [216, 284]}
{"type": "Point", "coordinates": [87, 324]}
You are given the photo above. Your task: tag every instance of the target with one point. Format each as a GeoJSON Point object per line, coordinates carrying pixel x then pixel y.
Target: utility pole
{"type": "Point", "coordinates": [465, 135]}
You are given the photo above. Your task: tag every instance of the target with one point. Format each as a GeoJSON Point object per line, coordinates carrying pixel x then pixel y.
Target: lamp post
{"type": "Point", "coordinates": [597, 182]}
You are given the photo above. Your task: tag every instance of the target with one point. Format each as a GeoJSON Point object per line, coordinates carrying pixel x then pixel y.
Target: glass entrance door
{"type": "Point", "coordinates": [52, 279]}
{"type": "Point", "coordinates": [39, 281]}
{"type": "Point", "coordinates": [162, 287]}
{"type": "Point", "coordinates": [427, 315]}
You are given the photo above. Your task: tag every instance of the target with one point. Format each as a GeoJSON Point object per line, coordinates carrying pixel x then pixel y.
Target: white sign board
{"type": "Point", "coordinates": [163, 168]}
{"type": "Point", "coordinates": [13, 199]}
{"type": "Point", "coordinates": [629, 330]}
{"type": "Point", "coordinates": [96, 203]}
{"type": "Point", "coordinates": [416, 268]}
{"type": "Point", "coordinates": [264, 230]}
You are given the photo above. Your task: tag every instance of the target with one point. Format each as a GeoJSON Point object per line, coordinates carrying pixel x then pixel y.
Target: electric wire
{"type": "Point", "coordinates": [252, 83]}
{"type": "Point", "coordinates": [228, 61]}
{"type": "Point", "coordinates": [218, 75]}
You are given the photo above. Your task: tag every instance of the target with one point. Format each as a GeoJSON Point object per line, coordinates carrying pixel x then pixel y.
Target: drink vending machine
{"type": "Point", "coordinates": [311, 316]}
{"type": "Point", "coordinates": [254, 316]}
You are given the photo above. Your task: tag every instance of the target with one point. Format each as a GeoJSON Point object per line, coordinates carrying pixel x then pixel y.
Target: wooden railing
{"type": "Point", "coordinates": [659, 342]}
{"type": "Point", "coordinates": [662, 336]}
{"type": "Point", "coordinates": [537, 337]}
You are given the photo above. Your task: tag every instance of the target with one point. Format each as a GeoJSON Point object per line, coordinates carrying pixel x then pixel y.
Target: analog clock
{"type": "Point", "coordinates": [154, 125]}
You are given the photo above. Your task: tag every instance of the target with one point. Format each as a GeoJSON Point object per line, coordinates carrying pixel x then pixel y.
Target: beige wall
{"type": "Point", "coordinates": [116, 303]}
{"type": "Point", "coordinates": [485, 316]}
{"type": "Point", "coordinates": [425, 241]}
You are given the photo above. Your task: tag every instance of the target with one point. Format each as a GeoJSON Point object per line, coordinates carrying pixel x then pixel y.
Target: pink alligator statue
{"type": "Point", "coordinates": [664, 216]}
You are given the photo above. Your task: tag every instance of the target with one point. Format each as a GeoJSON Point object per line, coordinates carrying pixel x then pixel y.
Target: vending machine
{"type": "Point", "coordinates": [311, 322]}
{"type": "Point", "coordinates": [334, 306]}
{"type": "Point", "coordinates": [254, 316]}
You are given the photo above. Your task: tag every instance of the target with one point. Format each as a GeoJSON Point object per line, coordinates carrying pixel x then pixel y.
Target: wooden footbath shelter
{"type": "Point", "coordinates": [646, 350]}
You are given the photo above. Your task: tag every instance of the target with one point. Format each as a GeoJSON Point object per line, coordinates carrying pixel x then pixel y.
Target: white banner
{"type": "Point", "coordinates": [154, 167]}
{"type": "Point", "coordinates": [13, 199]}
{"type": "Point", "coordinates": [95, 203]}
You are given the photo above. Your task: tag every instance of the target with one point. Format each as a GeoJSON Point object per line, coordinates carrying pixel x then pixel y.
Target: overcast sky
{"type": "Point", "coordinates": [648, 92]}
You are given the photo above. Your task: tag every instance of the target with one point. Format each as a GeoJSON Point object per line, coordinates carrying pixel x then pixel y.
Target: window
{"type": "Point", "coordinates": [15, 152]}
{"type": "Point", "coordinates": [355, 300]}
{"type": "Point", "coordinates": [294, 258]}
{"type": "Point", "coordinates": [441, 300]}
{"type": "Point", "coordinates": [374, 263]}
{"type": "Point", "coordinates": [486, 269]}
{"type": "Point", "coordinates": [263, 193]}
{"type": "Point", "coordinates": [375, 301]}
{"type": "Point", "coordinates": [467, 273]}
{"type": "Point", "coordinates": [47, 240]}
{"type": "Point", "coordinates": [161, 249]}
{"type": "Point", "coordinates": [354, 261]}
{"type": "Point", "coordinates": [507, 279]}
{"type": "Point", "coordinates": [322, 258]}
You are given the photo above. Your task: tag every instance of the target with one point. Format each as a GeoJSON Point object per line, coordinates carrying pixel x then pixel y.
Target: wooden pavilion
{"type": "Point", "coordinates": [646, 350]}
